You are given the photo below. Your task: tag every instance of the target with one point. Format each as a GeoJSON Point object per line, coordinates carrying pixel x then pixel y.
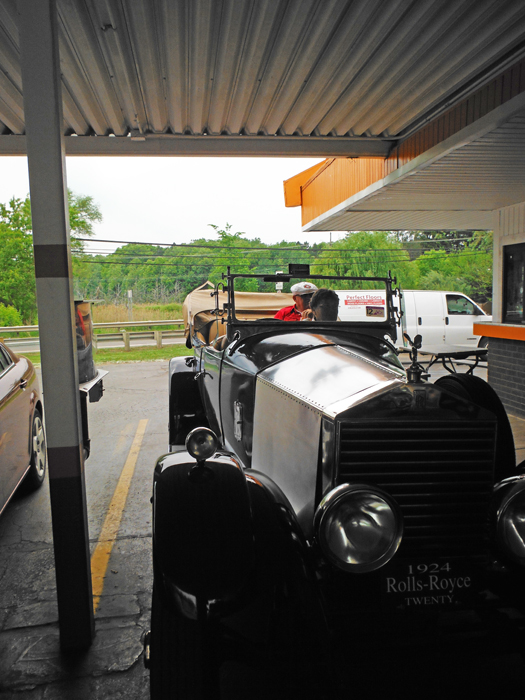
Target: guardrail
{"type": "Point", "coordinates": [113, 324]}
{"type": "Point", "coordinates": [122, 334]}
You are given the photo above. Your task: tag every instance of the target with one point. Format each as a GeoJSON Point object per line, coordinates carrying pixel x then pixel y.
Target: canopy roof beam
{"type": "Point", "coordinates": [173, 145]}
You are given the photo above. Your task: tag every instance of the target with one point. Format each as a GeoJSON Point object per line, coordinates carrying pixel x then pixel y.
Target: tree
{"type": "Point", "coordinates": [17, 276]}
{"type": "Point", "coordinates": [468, 270]}
{"type": "Point", "coordinates": [170, 273]}
{"type": "Point", "coordinates": [9, 316]}
{"type": "Point", "coordinates": [367, 254]}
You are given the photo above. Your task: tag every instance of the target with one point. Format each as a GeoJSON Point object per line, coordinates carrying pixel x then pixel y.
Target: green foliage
{"type": "Point", "coordinates": [17, 276]}
{"type": "Point", "coordinates": [469, 270]}
{"type": "Point", "coordinates": [17, 215]}
{"type": "Point", "coordinates": [367, 254]}
{"type": "Point", "coordinates": [141, 354]}
{"type": "Point", "coordinates": [167, 275]}
{"type": "Point", "coordinates": [83, 213]}
{"type": "Point", "coordinates": [9, 316]}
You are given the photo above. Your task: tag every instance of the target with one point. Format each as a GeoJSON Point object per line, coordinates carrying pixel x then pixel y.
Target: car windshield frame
{"type": "Point", "coordinates": [387, 326]}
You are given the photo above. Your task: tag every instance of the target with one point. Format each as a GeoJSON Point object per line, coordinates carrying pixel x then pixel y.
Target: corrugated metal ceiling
{"type": "Point", "coordinates": [343, 71]}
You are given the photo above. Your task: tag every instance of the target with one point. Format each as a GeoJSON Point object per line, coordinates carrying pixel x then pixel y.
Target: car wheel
{"type": "Point", "coordinates": [477, 390]}
{"type": "Point", "coordinates": [37, 470]}
{"type": "Point", "coordinates": [180, 656]}
{"type": "Point", "coordinates": [483, 343]}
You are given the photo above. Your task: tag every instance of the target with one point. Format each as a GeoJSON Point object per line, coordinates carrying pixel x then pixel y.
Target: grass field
{"type": "Point", "coordinates": [112, 313]}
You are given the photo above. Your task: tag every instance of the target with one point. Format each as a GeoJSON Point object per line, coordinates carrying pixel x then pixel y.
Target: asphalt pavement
{"type": "Point", "coordinates": [31, 665]}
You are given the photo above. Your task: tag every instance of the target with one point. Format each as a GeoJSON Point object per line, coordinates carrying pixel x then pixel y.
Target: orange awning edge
{"type": "Point", "coordinates": [292, 186]}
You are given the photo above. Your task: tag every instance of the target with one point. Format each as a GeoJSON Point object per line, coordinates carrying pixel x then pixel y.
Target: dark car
{"type": "Point", "coordinates": [329, 505]}
{"type": "Point", "coordinates": [22, 438]}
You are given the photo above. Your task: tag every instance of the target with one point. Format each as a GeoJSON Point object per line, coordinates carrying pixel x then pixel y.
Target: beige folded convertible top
{"type": "Point", "coordinates": [248, 305]}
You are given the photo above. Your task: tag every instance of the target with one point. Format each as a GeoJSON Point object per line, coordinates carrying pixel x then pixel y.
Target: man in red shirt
{"type": "Point", "coordinates": [301, 293]}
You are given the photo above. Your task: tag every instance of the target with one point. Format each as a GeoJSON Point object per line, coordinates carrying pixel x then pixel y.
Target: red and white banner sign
{"type": "Point", "coordinates": [365, 300]}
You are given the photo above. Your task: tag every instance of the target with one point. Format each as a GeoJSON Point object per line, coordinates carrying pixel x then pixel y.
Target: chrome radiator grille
{"type": "Point", "coordinates": [441, 474]}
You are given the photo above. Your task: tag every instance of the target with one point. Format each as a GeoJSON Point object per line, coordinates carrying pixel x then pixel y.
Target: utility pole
{"type": "Point", "coordinates": [130, 304]}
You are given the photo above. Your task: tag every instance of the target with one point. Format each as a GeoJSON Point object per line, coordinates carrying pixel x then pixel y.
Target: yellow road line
{"type": "Point", "coordinates": [109, 532]}
{"type": "Point", "coordinates": [122, 439]}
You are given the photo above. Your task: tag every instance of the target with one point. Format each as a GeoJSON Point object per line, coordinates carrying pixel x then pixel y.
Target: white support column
{"type": "Point", "coordinates": [497, 269]}
{"type": "Point", "coordinates": [47, 176]}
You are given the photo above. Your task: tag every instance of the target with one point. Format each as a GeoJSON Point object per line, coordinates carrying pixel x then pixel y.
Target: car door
{"type": "Point", "coordinates": [15, 422]}
{"type": "Point", "coordinates": [461, 315]}
{"type": "Point", "coordinates": [430, 317]}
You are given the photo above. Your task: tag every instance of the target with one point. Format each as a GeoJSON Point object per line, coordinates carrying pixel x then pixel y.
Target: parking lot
{"type": "Point", "coordinates": [29, 650]}
{"type": "Point", "coordinates": [133, 411]}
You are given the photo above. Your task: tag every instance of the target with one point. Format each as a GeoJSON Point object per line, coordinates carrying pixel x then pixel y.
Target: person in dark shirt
{"type": "Point", "coordinates": [302, 293]}
{"type": "Point", "coordinates": [324, 305]}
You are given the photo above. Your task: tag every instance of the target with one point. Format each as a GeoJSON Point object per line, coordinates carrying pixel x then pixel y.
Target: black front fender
{"type": "Point", "coordinates": [202, 528]}
{"type": "Point", "coordinates": [185, 404]}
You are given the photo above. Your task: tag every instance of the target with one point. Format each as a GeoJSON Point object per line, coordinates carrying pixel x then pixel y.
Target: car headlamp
{"type": "Point", "coordinates": [511, 518]}
{"type": "Point", "coordinates": [202, 443]}
{"type": "Point", "coordinates": [359, 527]}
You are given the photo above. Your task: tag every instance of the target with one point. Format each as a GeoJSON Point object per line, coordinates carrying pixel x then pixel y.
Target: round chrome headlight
{"type": "Point", "coordinates": [359, 527]}
{"type": "Point", "coordinates": [202, 443]}
{"type": "Point", "coordinates": [511, 519]}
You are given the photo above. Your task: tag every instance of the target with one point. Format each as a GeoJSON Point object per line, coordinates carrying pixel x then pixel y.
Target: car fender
{"type": "Point", "coordinates": [185, 404]}
{"type": "Point", "coordinates": [202, 527]}
{"type": "Point", "coordinates": [282, 549]}
{"type": "Point", "coordinates": [285, 566]}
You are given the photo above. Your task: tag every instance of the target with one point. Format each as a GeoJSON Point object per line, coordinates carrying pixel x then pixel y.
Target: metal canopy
{"type": "Point", "coordinates": [259, 77]}
{"type": "Point", "coordinates": [455, 185]}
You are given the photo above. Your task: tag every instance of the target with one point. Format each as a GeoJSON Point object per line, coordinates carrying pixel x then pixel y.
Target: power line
{"type": "Point", "coordinates": [222, 262]}
{"type": "Point", "coordinates": [323, 253]}
{"type": "Point", "coordinates": [274, 246]}
{"type": "Point", "coordinates": [304, 246]}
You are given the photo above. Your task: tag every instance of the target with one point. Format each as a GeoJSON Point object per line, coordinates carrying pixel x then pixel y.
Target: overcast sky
{"type": "Point", "coordinates": [172, 200]}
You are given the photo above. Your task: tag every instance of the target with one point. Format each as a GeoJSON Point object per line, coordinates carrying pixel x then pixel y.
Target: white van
{"type": "Point", "coordinates": [441, 318]}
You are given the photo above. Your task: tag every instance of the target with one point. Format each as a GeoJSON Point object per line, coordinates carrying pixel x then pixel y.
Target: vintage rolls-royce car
{"type": "Point", "coordinates": [318, 501]}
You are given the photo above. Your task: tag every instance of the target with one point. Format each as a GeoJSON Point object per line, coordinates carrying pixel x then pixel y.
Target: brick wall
{"type": "Point", "coordinates": [506, 373]}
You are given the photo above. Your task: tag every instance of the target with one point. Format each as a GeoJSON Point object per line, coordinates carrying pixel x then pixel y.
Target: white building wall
{"type": "Point", "coordinates": [509, 228]}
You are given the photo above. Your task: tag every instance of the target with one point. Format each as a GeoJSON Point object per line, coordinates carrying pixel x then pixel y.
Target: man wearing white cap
{"type": "Point", "coordinates": [302, 293]}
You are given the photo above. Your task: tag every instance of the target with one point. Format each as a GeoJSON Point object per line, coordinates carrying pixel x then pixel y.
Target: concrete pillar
{"type": "Point", "coordinates": [47, 178]}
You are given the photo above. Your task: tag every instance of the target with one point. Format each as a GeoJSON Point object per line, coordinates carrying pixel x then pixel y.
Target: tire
{"type": "Point", "coordinates": [483, 342]}
{"type": "Point", "coordinates": [180, 660]}
{"type": "Point", "coordinates": [475, 389]}
{"type": "Point", "coordinates": [37, 470]}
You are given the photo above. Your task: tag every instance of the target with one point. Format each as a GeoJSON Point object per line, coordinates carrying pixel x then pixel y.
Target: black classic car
{"type": "Point", "coordinates": [328, 505]}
